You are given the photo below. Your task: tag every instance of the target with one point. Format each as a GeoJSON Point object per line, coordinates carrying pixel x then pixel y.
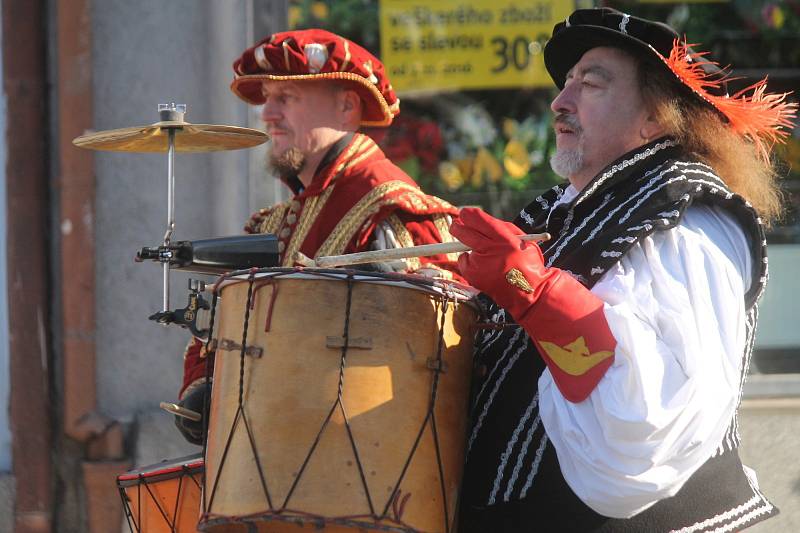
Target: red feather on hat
{"type": "Point", "coordinates": [758, 115]}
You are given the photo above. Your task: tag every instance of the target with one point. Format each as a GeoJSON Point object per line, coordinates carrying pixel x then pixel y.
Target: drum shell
{"type": "Point", "coordinates": [390, 377]}
{"type": "Point", "coordinates": [163, 498]}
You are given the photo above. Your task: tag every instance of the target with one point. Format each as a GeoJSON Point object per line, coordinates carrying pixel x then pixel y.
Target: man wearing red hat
{"type": "Point", "coordinates": [613, 376]}
{"type": "Point", "coordinates": [317, 90]}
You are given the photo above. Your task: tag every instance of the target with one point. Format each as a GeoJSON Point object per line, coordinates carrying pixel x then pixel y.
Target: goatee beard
{"type": "Point", "coordinates": [567, 163]}
{"type": "Point", "coordinates": [287, 164]}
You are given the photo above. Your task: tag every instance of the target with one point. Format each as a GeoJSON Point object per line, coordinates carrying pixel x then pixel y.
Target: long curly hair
{"type": "Point", "coordinates": [704, 132]}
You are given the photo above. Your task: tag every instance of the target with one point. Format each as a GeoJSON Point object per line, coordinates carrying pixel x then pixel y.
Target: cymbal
{"type": "Point", "coordinates": [188, 138]}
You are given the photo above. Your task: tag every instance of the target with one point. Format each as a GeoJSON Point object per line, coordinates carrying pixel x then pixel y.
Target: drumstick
{"type": "Point", "coordinates": [176, 409]}
{"type": "Point", "coordinates": [391, 254]}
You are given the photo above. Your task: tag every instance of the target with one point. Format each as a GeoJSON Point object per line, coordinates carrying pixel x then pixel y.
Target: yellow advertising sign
{"type": "Point", "coordinates": [467, 44]}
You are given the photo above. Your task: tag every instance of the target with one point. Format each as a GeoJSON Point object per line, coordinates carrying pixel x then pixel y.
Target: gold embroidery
{"type": "Point", "coordinates": [370, 204]}
{"type": "Point", "coordinates": [517, 279]}
{"type": "Point", "coordinates": [310, 213]}
{"type": "Point", "coordinates": [442, 223]}
{"type": "Point", "coordinates": [404, 239]}
{"type": "Point", "coordinates": [362, 156]}
{"type": "Point", "coordinates": [357, 144]}
{"type": "Point", "coordinates": [574, 358]}
{"type": "Point", "coordinates": [346, 54]}
{"type": "Point", "coordinates": [285, 45]}
{"type": "Point", "coordinates": [401, 233]}
{"type": "Point", "coordinates": [273, 220]}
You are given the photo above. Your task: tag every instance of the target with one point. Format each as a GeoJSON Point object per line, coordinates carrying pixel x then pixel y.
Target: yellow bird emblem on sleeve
{"type": "Point", "coordinates": [574, 358]}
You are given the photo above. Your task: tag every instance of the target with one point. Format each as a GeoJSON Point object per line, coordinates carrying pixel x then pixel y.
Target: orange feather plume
{"type": "Point", "coordinates": [751, 112]}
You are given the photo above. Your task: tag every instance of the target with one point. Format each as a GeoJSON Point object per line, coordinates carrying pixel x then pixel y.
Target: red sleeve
{"type": "Point", "coordinates": [195, 363]}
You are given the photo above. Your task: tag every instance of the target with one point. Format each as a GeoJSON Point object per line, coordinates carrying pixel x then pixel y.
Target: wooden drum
{"type": "Point", "coordinates": [346, 409]}
{"type": "Point", "coordinates": [163, 498]}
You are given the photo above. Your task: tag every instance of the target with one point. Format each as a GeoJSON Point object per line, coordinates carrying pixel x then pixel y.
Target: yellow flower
{"type": "Point", "coordinates": [516, 159]}
{"type": "Point", "coordinates": [486, 166]}
{"type": "Point", "coordinates": [450, 175]}
{"type": "Point", "coordinates": [509, 127]}
{"type": "Point", "coordinates": [319, 10]}
{"type": "Point", "coordinates": [778, 18]}
{"type": "Point", "coordinates": [464, 165]}
{"type": "Point", "coordinates": [295, 16]}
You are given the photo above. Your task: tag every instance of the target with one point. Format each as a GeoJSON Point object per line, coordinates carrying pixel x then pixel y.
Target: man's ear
{"type": "Point", "coordinates": [651, 129]}
{"type": "Point", "coordinates": [349, 105]}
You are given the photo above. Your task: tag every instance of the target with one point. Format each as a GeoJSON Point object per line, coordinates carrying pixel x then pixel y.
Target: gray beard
{"type": "Point", "coordinates": [567, 163]}
{"type": "Point", "coordinates": [287, 164]}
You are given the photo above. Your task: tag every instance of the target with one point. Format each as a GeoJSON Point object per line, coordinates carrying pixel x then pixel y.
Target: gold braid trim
{"type": "Point", "coordinates": [369, 205]}
{"type": "Point", "coordinates": [313, 206]}
{"type": "Point", "coordinates": [346, 55]}
{"type": "Point", "coordinates": [310, 213]}
{"type": "Point", "coordinates": [442, 223]}
{"type": "Point", "coordinates": [362, 156]}
{"type": "Point", "coordinates": [354, 149]}
{"type": "Point", "coordinates": [387, 110]}
{"type": "Point", "coordinates": [272, 222]}
{"type": "Point", "coordinates": [404, 239]}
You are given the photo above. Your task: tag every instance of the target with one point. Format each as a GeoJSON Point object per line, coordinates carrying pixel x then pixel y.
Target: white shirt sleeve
{"type": "Point", "coordinates": [675, 305]}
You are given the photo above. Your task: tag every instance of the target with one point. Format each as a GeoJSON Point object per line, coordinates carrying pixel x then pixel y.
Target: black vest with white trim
{"type": "Point", "coordinates": [512, 479]}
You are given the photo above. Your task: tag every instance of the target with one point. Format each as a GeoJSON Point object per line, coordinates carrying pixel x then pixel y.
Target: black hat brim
{"type": "Point", "coordinates": [566, 48]}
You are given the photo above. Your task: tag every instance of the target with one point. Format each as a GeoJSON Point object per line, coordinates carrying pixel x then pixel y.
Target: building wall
{"type": "Point", "coordinates": [6, 478]}
{"type": "Point", "coordinates": [5, 429]}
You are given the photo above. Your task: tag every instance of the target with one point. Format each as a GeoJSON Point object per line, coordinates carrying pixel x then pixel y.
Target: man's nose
{"type": "Point", "coordinates": [564, 102]}
{"type": "Point", "coordinates": [270, 113]}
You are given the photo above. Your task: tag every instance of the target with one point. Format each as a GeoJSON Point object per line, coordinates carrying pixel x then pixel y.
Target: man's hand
{"type": "Point", "coordinates": [563, 318]}
{"type": "Point", "coordinates": [196, 399]}
{"type": "Point", "coordinates": [509, 270]}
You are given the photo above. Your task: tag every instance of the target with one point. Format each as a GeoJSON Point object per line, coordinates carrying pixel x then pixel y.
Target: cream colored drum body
{"type": "Point", "coordinates": [353, 404]}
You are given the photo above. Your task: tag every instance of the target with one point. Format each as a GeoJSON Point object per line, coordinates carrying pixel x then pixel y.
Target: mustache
{"type": "Point", "coordinates": [571, 121]}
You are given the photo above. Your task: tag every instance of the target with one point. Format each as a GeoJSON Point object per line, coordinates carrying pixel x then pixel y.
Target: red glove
{"type": "Point", "coordinates": [564, 319]}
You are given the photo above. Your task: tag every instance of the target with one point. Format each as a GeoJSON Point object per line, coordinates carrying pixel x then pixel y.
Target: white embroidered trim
{"type": "Point", "coordinates": [535, 466]}
{"type": "Point", "coordinates": [628, 162]}
{"type": "Point", "coordinates": [526, 217]}
{"type": "Point", "coordinates": [497, 384]}
{"type": "Point", "coordinates": [507, 453]}
{"type": "Point", "coordinates": [614, 211]}
{"type": "Point", "coordinates": [575, 231]}
{"type": "Point", "coordinates": [522, 454]}
{"type": "Point", "coordinates": [624, 23]}
{"type": "Point", "coordinates": [728, 515]}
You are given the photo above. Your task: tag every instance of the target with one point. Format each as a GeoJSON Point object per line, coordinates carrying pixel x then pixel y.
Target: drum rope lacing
{"type": "Point", "coordinates": [240, 413]}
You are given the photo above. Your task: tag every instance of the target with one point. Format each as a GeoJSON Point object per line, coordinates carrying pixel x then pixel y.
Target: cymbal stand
{"type": "Point", "coordinates": [172, 113]}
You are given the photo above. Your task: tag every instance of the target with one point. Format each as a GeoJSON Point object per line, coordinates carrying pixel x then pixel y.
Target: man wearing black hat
{"type": "Point", "coordinates": [614, 371]}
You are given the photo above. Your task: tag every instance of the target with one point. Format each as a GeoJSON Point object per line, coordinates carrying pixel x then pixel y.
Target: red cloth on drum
{"type": "Point", "coordinates": [338, 214]}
